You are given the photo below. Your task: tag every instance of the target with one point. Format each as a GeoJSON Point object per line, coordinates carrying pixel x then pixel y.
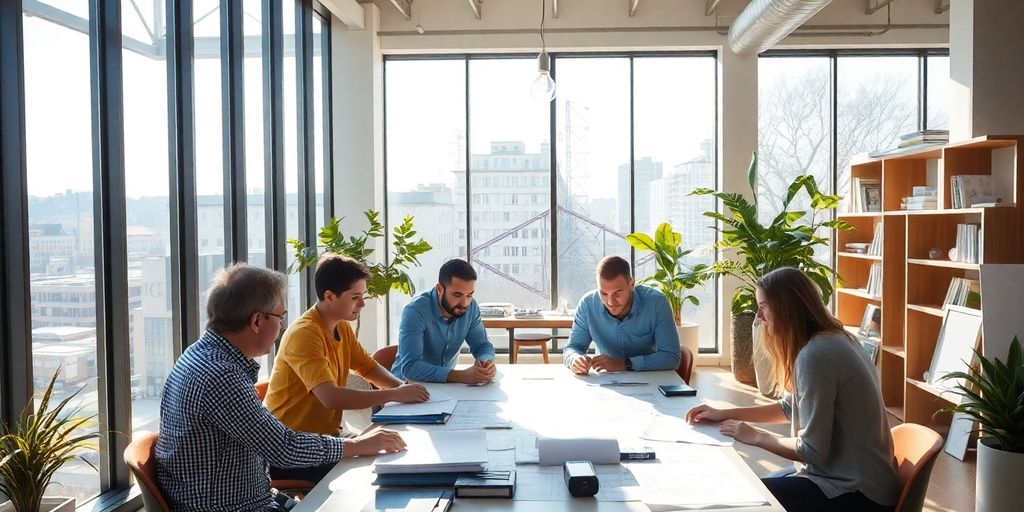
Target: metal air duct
{"type": "Point", "coordinates": [765, 22]}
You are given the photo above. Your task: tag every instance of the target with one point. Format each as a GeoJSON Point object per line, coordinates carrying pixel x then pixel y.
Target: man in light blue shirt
{"type": "Point", "coordinates": [632, 325]}
{"type": "Point", "coordinates": [434, 326]}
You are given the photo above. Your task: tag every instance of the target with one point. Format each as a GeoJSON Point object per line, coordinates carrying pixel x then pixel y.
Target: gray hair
{"type": "Point", "coordinates": [238, 291]}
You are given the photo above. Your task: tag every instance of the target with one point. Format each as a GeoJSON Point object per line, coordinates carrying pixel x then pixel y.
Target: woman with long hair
{"type": "Point", "coordinates": [839, 435]}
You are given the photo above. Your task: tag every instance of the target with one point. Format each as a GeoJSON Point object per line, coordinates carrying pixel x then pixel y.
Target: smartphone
{"type": "Point", "coordinates": [677, 390]}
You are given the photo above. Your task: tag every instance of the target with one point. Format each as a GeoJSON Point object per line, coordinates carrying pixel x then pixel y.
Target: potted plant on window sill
{"type": "Point", "coordinates": [34, 448]}
{"type": "Point", "coordinates": [994, 397]}
{"type": "Point", "coordinates": [751, 249]}
{"type": "Point", "coordinates": [672, 277]}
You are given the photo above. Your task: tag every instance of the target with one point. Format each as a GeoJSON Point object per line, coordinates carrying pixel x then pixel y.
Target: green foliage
{"type": "Point", "coordinates": [671, 275]}
{"type": "Point", "coordinates": [383, 277]}
{"type": "Point", "coordinates": [38, 445]}
{"type": "Point", "coordinates": [995, 398]}
{"type": "Point", "coordinates": [757, 249]}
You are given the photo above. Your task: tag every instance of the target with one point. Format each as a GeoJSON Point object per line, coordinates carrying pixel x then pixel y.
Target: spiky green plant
{"type": "Point", "coordinates": [752, 249]}
{"type": "Point", "coordinates": [995, 398]}
{"type": "Point", "coordinates": [671, 275]}
{"type": "Point", "coordinates": [37, 446]}
{"type": "Point", "coordinates": [383, 276]}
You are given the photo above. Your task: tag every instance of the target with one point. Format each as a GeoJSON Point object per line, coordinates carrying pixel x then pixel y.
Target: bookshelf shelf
{"type": "Point", "coordinates": [943, 263]}
{"type": "Point", "coordinates": [913, 286]}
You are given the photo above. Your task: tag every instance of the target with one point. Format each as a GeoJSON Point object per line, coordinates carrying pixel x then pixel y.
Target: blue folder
{"type": "Point", "coordinates": [414, 419]}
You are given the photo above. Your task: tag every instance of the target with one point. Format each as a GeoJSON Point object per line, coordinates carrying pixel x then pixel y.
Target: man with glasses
{"type": "Point", "coordinates": [217, 440]}
{"type": "Point", "coordinates": [435, 324]}
{"type": "Point", "coordinates": [308, 387]}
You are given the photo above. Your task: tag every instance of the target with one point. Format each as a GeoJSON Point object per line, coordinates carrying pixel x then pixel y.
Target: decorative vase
{"type": "Point", "coordinates": [689, 336]}
{"type": "Point", "coordinates": [997, 484]}
{"type": "Point", "coordinates": [743, 348]}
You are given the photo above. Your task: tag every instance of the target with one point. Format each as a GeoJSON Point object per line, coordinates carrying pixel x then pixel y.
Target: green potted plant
{"type": "Point", "coordinates": [35, 447]}
{"type": "Point", "coordinates": [994, 397]}
{"type": "Point", "coordinates": [392, 275]}
{"type": "Point", "coordinates": [672, 277]}
{"type": "Point", "coordinates": [752, 249]}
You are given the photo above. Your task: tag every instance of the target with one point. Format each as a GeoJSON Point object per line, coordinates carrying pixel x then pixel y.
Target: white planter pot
{"type": "Point", "coordinates": [689, 337]}
{"type": "Point", "coordinates": [50, 504]}
{"type": "Point", "coordinates": [997, 486]}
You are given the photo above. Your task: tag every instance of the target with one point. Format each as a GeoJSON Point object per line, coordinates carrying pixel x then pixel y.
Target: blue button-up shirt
{"type": "Point", "coordinates": [216, 438]}
{"type": "Point", "coordinates": [647, 336]}
{"type": "Point", "coordinates": [428, 343]}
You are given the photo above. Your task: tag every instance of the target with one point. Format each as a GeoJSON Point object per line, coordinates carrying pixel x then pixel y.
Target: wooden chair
{"type": "Point", "coordinates": [261, 389]}
{"type": "Point", "coordinates": [385, 356]}
{"type": "Point", "coordinates": [915, 447]}
{"type": "Point", "coordinates": [685, 364]}
{"type": "Point", "coordinates": [529, 339]}
{"type": "Point", "coordinates": [140, 455]}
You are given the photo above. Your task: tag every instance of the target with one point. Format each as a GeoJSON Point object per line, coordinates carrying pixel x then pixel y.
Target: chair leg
{"type": "Point", "coordinates": [544, 351]}
{"type": "Point", "coordinates": [513, 353]}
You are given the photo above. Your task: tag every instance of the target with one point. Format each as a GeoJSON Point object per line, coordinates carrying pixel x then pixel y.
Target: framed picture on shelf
{"type": "Point", "coordinates": [871, 324]}
{"type": "Point", "coordinates": [954, 350]}
{"type": "Point", "coordinates": [870, 197]}
{"type": "Point", "coordinates": [871, 348]}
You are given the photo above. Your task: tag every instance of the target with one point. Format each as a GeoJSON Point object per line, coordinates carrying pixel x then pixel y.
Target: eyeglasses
{"type": "Point", "coordinates": [283, 317]}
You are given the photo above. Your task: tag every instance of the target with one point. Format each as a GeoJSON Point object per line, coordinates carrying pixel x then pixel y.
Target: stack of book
{"type": "Point", "coordinates": [924, 137]}
{"type": "Point", "coordinates": [440, 451]}
{"type": "Point", "coordinates": [972, 191]}
{"type": "Point", "coordinates": [970, 243]}
{"type": "Point", "coordinates": [963, 292]}
{"type": "Point", "coordinates": [923, 198]}
{"type": "Point", "coordinates": [858, 247]}
{"type": "Point", "coordinates": [874, 285]}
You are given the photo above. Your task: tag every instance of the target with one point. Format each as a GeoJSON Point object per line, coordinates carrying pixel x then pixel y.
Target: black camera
{"type": "Point", "coordinates": [580, 477]}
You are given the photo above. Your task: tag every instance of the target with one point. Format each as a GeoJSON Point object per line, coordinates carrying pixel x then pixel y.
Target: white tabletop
{"type": "Point", "coordinates": [548, 400]}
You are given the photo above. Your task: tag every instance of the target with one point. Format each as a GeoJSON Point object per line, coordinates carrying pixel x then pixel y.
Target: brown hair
{"type": "Point", "coordinates": [337, 273]}
{"type": "Point", "coordinates": [798, 314]}
{"type": "Point", "coordinates": [238, 291]}
{"type": "Point", "coordinates": [611, 267]}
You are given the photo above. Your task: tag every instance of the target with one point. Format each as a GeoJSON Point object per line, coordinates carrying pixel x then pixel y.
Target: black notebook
{"type": "Point", "coordinates": [489, 484]}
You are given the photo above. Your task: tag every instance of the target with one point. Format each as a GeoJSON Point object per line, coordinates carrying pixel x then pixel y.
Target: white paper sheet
{"type": "Point", "coordinates": [435, 450]}
{"type": "Point", "coordinates": [554, 451]}
{"type": "Point", "coordinates": [446, 406]}
{"type": "Point", "coordinates": [489, 392]}
{"type": "Point", "coordinates": [676, 429]}
{"type": "Point", "coordinates": [701, 482]}
{"type": "Point", "coordinates": [436, 395]}
{"type": "Point", "coordinates": [473, 415]}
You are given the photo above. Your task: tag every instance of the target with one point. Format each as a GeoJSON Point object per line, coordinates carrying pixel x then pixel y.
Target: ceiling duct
{"type": "Point", "coordinates": [766, 22]}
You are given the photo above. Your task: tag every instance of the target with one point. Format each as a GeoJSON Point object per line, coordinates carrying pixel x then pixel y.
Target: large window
{"type": "Point", "coordinates": [633, 135]}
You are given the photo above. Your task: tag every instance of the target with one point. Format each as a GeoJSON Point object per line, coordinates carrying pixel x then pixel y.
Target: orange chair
{"type": "Point", "coordinates": [529, 339]}
{"type": "Point", "coordinates": [261, 389]}
{"type": "Point", "coordinates": [685, 364]}
{"type": "Point", "coordinates": [385, 356]}
{"type": "Point", "coordinates": [140, 455]}
{"type": "Point", "coordinates": [915, 447]}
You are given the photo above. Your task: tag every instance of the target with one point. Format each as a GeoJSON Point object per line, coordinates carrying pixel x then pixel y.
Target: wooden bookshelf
{"type": "Point", "coordinates": [914, 284]}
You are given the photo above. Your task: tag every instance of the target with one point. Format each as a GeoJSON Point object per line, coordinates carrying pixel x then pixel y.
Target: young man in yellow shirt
{"type": "Point", "coordinates": [308, 385]}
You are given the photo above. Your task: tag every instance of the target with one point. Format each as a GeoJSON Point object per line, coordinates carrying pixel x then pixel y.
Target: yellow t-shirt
{"type": "Point", "coordinates": [310, 356]}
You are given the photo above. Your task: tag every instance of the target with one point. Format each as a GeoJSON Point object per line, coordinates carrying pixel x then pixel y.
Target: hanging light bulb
{"type": "Point", "coordinates": [543, 88]}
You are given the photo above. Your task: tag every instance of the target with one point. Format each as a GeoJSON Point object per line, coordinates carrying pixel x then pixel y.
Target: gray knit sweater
{"type": "Point", "coordinates": [841, 428]}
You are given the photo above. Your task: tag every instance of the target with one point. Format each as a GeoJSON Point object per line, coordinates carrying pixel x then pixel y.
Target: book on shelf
{"type": "Point", "coordinates": [933, 134]}
{"type": "Point", "coordinates": [874, 283]}
{"type": "Point", "coordinates": [963, 292]}
{"type": "Point", "coordinates": [924, 191]}
{"type": "Point", "coordinates": [969, 244]}
{"type": "Point", "coordinates": [968, 190]}
{"type": "Point", "coordinates": [875, 247]}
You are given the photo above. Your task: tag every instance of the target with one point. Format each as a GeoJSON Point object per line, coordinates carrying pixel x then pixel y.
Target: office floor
{"type": "Point", "coordinates": [952, 482]}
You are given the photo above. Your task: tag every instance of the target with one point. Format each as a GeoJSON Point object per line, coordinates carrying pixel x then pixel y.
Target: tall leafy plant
{"type": "Point", "coordinates": [671, 276]}
{"type": "Point", "coordinates": [37, 446]}
{"type": "Point", "coordinates": [391, 275]}
{"type": "Point", "coordinates": [754, 249]}
{"type": "Point", "coordinates": [995, 398]}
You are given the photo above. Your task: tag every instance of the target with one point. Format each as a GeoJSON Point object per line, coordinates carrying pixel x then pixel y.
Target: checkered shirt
{"type": "Point", "coordinates": [216, 438]}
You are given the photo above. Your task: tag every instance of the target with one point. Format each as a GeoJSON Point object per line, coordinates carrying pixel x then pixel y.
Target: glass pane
{"type": "Point", "coordinates": [291, 165]}
{"type": "Point", "coordinates": [60, 216]}
{"type": "Point", "coordinates": [509, 168]}
{"type": "Point", "coordinates": [938, 94]}
{"type": "Point", "coordinates": [593, 170]}
{"type": "Point", "coordinates": [319, 141]}
{"type": "Point", "coordinates": [209, 141]}
{"type": "Point", "coordinates": [426, 161]}
{"type": "Point", "coordinates": [149, 267]}
{"type": "Point", "coordinates": [877, 103]}
{"type": "Point", "coordinates": [674, 120]}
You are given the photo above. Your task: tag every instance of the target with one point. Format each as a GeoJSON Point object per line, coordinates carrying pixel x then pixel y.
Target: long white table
{"type": "Point", "coordinates": [548, 400]}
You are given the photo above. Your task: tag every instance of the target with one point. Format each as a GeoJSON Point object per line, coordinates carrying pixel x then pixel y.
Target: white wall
{"type": "Point", "coordinates": [582, 25]}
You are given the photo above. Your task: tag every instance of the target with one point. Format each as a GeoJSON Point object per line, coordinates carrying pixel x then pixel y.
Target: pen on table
{"type": "Point", "coordinates": [497, 427]}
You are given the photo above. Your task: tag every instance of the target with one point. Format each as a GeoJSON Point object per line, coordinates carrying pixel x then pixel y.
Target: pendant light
{"type": "Point", "coordinates": [543, 88]}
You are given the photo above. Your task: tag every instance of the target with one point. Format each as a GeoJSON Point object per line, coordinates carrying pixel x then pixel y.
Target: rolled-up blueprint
{"type": "Point", "coordinates": [554, 451]}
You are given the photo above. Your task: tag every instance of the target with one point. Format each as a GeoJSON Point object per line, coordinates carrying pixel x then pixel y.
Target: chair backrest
{"type": "Point", "coordinates": [140, 455]}
{"type": "Point", "coordinates": [261, 389]}
{"type": "Point", "coordinates": [386, 356]}
{"type": "Point", "coordinates": [685, 364]}
{"type": "Point", "coordinates": [915, 447]}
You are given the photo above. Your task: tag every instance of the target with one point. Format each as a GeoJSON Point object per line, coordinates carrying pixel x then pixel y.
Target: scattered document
{"type": "Point", "coordinates": [489, 392]}
{"type": "Point", "coordinates": [703, 482]}
{"type": "Point", "coordinates": [545, 483]}
{"type": "Point", "coordinates": [677, 430]}
{"type": "Point", "coordinates": [420, 409]}
{"type": "Point", "coordinates": [436, 395]}
{"type": "Point", "coordinates": [612, 379]}
{"type": "Point", "coordinates": [436, 451]}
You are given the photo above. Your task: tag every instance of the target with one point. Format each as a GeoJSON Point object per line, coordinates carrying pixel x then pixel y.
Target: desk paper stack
{"type": "Point", "coordinates": [437, 410]}
{"type": "Point", "coordinates": [448, 451]}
